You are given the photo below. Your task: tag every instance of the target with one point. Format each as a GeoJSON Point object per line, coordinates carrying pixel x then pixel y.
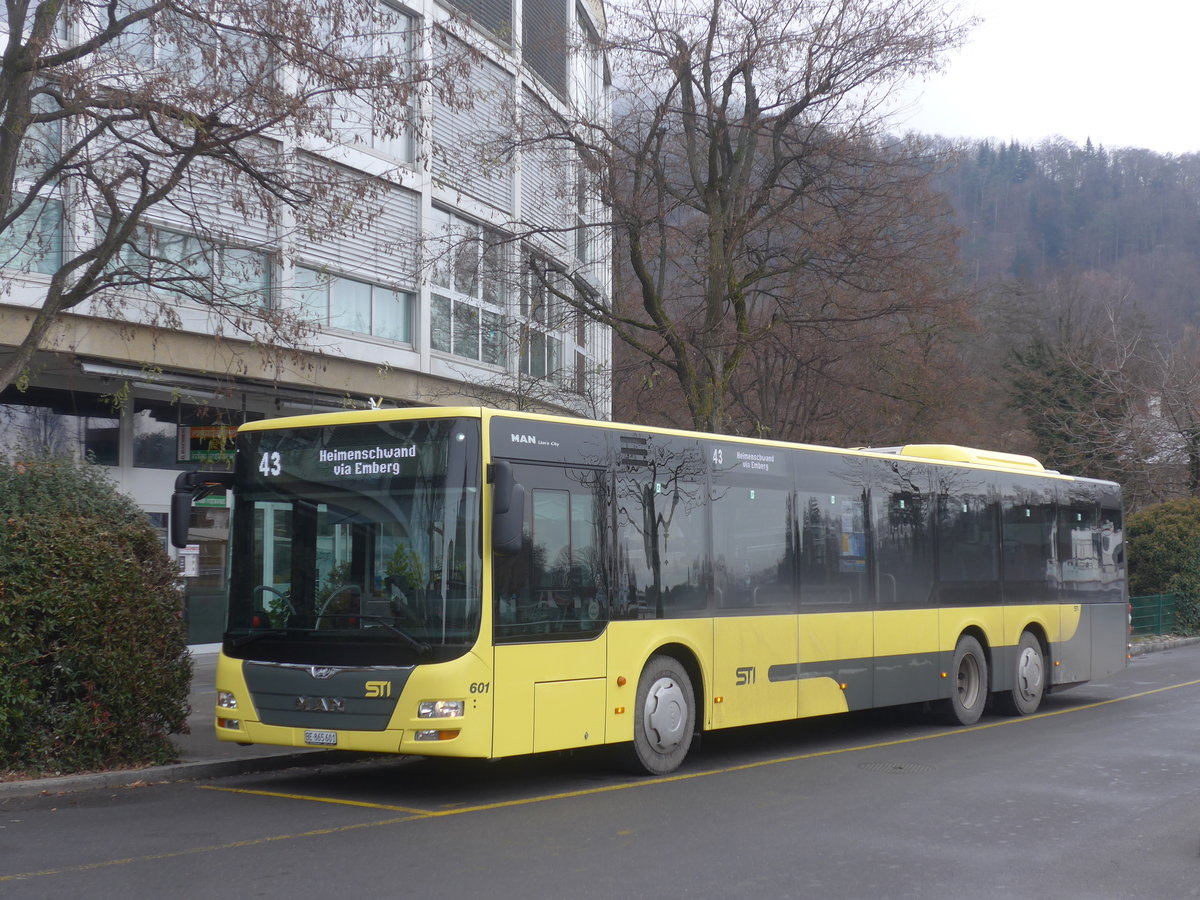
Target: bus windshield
{"type": "Point", "coordinates": [356, 544]}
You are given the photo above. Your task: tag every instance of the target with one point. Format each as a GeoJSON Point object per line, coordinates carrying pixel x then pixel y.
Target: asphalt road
{"type": "Point", "coordinates": [1098, 796]}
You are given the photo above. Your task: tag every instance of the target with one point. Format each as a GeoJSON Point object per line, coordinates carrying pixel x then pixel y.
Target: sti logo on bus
{"type": "Point", "coordinates": [379, 689]}
{"type": "Point", "coordinates": [745, 675]}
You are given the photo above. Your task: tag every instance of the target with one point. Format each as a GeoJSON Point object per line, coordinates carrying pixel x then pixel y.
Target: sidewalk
{"type": "Point", "coordinates": [201, 755]}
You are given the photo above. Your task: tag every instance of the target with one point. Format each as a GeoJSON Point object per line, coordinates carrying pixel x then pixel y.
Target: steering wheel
{"type": "Point", "coordinates": [282, 595]}
{"type": "Point", "coordinates": [329, 601]}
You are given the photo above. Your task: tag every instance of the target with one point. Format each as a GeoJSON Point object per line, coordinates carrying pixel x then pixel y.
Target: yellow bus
{"type": "Point", "coordinates": [481, 583]}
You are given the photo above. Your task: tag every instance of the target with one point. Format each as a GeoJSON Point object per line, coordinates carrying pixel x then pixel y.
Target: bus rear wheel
{"type": "Point", "coordinates": [1029, 679]}
{"type": "Point", "coordinates": [968, 692]}
{"type": "Point", "coordinates": [664, 717]}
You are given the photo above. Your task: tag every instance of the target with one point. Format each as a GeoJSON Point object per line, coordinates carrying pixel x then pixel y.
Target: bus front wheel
{"type": "Point", "coordinates": [968, 690]}
{"type": "Point", "coordinates": [1029, 680]}
{"type": "Point", "coordinates": [664, 717]}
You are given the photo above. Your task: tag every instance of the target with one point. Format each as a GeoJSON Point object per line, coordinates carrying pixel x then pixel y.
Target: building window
{"type": "Point", "coordinates": [544, 41]}
{"type": "Point", "coordinates": [47, 422]}
{"type": "Point", "coordinates": [587, 67]}
{"type": "Point", "coordinates": [354, 305]}
{"type": "Point", "coordinates": [221, 53]}
{"type": "Point", "coordinates": [548, 325]}
{"type": "Point", "coordinates": [494, 16]}
{"type": "Point", "coordinates": [176, 435]}
{"type": "Point", "coordinates": [33, 243]}
{"type": "Point", "coordinates": [467, 312]}
{"type": "Point", "coordinates": [184, 265]}
{"type": "Point", "coordinates": [363, 120]}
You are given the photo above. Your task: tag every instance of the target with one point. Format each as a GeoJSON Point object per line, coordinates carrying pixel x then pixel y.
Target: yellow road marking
{"type": "Point", "coordinates": [419, 814]}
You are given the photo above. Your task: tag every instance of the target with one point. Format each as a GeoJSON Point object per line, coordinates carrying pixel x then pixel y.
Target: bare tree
{"type": "Point", "coordinates": [749, 186]}
{"type": "Point", "coordinates": [182, 137]}
{"type": "Point", "coordinates": [1083, 378]}
{"type": "Point", "coordinates": [1174, 417]}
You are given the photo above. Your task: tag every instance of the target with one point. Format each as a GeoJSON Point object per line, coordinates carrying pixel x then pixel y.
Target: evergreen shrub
{"type": "Point", "coordinates": [94, 667]}
{"type": "Point", "coordinates": [1163, 543]}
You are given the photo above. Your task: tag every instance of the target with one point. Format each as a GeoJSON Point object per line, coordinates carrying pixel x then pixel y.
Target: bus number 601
{"type": "Point", "coordinates": [480, 687]}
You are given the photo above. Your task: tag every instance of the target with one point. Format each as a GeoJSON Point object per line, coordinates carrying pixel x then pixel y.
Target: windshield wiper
{"type": "Point", "coordinates": [419, 646]}
{"type": "Point", "coordinates": [253, 636]}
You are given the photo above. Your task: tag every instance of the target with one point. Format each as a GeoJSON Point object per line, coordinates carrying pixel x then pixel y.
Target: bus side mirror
{"type": "Point", "coordinates": [189, 487]}
{"type": "Point", "coordinates": [181, 517]}
{"type": "Point", "coordinates": [508, 510]}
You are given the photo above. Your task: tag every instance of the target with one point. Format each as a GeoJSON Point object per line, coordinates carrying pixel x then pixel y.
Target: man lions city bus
{"type": "Point", "coordinates": [478, 583]}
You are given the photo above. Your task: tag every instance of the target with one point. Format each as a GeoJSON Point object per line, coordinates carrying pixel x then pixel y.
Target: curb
{"type": "Point", "coordinates": [186, 771]}
{"type": "Point", "coordinates": [1154, 645]}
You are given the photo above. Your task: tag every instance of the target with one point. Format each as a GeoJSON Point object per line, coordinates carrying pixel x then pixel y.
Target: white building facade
{"type": "Point", "coordinates": [432, 300]}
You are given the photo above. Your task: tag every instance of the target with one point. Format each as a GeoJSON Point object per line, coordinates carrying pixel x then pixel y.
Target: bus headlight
{"type": "Point", "coordinates": [226, 700]}
{"type": "Point", "coordinates": [440, 709]}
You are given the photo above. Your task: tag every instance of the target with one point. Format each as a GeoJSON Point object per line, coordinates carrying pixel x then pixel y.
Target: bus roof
{"type": "Point", "coordinates": [945, 453]}
{"type": "Point", "coordinates": [955, 453]}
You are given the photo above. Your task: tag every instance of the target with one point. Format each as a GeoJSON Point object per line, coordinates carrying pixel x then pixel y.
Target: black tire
{"type": "Point", "coordinates": [968, 682]}
{"type": "Point", "coordinates": [664, 718]}
{"type": "Point", "coordinates": [1029, 679]}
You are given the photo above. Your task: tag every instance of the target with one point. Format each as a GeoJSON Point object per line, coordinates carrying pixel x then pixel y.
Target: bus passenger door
{"type": "Point", "coordinates": [906, 621]}
{"type": "Point", "coordinates": [550, 608]}
{"type": "Point", "coordinates": [756, 661]}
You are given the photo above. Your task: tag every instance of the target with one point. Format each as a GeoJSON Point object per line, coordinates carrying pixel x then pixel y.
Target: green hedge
{"type": "Point", "coordinates": [1163, 542]}
{"type": "Point", "coordinates": [94, 668]}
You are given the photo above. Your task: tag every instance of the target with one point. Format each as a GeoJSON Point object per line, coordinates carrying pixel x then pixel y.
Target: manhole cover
{"type": "Point", "coordinates": [897, 768]}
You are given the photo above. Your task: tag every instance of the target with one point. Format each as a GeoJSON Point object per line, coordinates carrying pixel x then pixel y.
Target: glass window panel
{"type": "Point", "coordinates": [493, 338]}
{"type": "Point", "coordinates": [551, 539]}
{"type": "Point", "coordinates": [968, 538]}
{"type": "Point", "coordinates": [492, 269]}
{"type": "Point", "coordinates": [34, 242]}
{"type": "Point", "coordinates": [312, 294]}
{"type": "Point", "coordinates": [135, 257]}
{"type": "Point", "coordinates": [439, 323]}
{"type": "Point", "coordinates": [396, 42]}
{"type": "Point", "coordinates": [391, 318]}
{"type": "Point", "coordinates": [751, 559]}
{"type": "Point", "coordinates": [554, 357]}
{"type": "Point", "coordinates": [184, 267]}
{"type": "Point", "coordinates": [1027, 530]}
{"type": "Point", "coordinates": [466, 262]}
{"type": "Point", "coordinates": [537, 354]}
{"type": "Point", "coordinates": [903, 540]}
{"type": "Point", "coordinates": [246, 276]}
{"type": "Point", "coordinates": [135, 40]}
{"type": "Point", "coordinates": [661, 515]}
{"type": "Point", "coordinates": [439, 244]}
{"type": "Point", "coordinates": [556, 586]}
{"type": "Point", "coordinates": [46, 421]}
{"type": "Point", "coordinates": [832, 559]}
{"type": "Point", "coordinates": [158, 441]}
{"type": "Point", "coordinates": [350, 305]}
{"type": "Point", "coordinates": [466, 330]}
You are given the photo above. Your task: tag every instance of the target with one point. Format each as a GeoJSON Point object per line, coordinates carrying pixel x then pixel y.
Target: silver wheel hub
{"type": "Point", "coordinates": [968, 681]}
{"type": "Point", "coordinates": [665, 715]}
{"type": "Point", "coordinates": [1029, 673]}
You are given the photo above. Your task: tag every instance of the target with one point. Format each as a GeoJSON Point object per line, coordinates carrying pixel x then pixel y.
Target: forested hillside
{"type": "Point", "coordinates": [1034, 214]}
{"type": "Point", "coordinates": [1084, 265]}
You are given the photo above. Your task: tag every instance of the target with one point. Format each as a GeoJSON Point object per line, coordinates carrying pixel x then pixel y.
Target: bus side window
{"type": "Point", "coordinates": [555, 587]}
{"type": "Point", "coordinates": [903, 542]}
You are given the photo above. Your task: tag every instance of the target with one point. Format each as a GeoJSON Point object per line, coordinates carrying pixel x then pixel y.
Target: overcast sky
{"type": "Point", "coordinates": [1125, 74]}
